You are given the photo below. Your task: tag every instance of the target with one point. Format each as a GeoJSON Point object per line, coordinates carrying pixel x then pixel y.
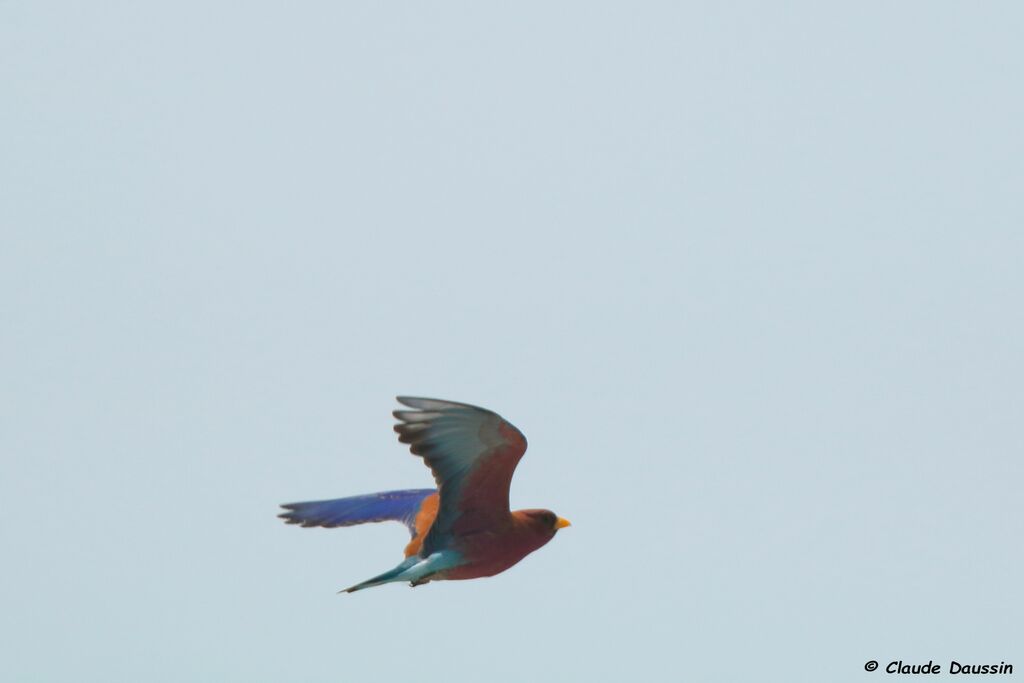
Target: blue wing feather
{"type": "Point", "coordinates": [400, 506]}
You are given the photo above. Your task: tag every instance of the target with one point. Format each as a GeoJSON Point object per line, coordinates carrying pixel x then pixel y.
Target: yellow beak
{"type": "Point", "coordinates": [562, 523]}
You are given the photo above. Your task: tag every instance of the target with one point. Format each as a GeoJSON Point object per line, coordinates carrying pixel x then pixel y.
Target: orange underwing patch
{"type": "Point", "coordinates": [424, 519]}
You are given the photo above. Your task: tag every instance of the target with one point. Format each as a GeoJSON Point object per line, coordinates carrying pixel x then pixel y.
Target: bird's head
{"type": "Point", "coordinates": [545, 521]}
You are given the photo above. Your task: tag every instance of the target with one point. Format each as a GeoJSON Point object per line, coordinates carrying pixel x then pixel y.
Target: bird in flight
{"type": "Point", "coordinates": [462, 530]}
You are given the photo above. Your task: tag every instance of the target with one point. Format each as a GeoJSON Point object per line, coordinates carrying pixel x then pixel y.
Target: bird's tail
{"type": "Point", "coordinates": [414, 569]}
{"type": "Point", "coordinates": [386, 577]}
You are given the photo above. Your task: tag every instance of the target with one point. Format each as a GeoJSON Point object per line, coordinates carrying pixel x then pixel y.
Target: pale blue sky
{"type": "Point", "coordinates": [749, 278]}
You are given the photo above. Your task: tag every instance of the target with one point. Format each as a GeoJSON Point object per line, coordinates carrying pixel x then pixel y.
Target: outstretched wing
{"type": "Point", "coordinates": [472, 453]}
{"type": "Point", "coordinates": [400, 506]}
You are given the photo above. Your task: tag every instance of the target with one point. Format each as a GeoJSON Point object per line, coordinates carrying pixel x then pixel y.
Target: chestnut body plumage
{"type": "Point", "coordinates": [464, 529]}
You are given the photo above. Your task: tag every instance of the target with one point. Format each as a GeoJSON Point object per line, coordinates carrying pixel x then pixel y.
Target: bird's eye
{"type": "Point", "coordinates": [550, 519]}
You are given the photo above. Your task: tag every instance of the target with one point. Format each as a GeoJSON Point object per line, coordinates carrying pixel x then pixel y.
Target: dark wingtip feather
{"type": "Point", "coordinates": [423, 403]}
{"type": "Point", "coordinates": [289, 516]}
{"type": "Point", "coordinates": [409, 401]}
